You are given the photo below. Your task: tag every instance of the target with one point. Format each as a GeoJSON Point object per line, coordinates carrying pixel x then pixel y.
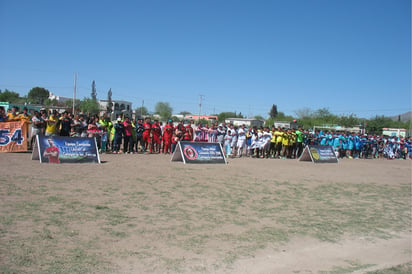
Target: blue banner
{"type": "Point", "coordinates": [59, 149]}
{"type": "Point", "coordinates": [199, 153]}
{"type": "Point", "coordinates": [319, 154]}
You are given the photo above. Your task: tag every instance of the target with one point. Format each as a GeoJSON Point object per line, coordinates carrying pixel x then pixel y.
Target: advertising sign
{"type": "Point", "coordinates": [319, 154]}
{"type": "Point", "coordinates": [13, 136]}
{"type": "Point", "coordinates": [199, 153]}
{"type": "Point", "coordinates": [59, 149]}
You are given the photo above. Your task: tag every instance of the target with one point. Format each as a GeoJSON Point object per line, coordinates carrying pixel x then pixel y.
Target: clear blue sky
{"type": "Point", "coordinates": [351, 56]}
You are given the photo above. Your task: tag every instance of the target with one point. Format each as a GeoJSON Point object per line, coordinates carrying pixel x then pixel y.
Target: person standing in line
{"type": "Point", "coordinates": [13, 115]}
{"type": "Point", "coordinates": [167, 137]}
{"type": "Point", "coordinates": [25, 116]}
{"type": "Point", "coordinates": [188, 135]}
{"type": "Point", "coordinates": [128, 136]}
{"type": "Point", "coordinates": [51, 124]}
{"type": "Point", "coordinates": [65, 123]}
{"type": "Point", "coordinates": [37, 126]}
{"type": "Point", "coordinates": [147, 135]}
{"type": "Point", "coordinates": [299, 142]}
{"type": "Point", "coordinates": [156, 136]}
{"type": "Point", "coordinates": [233, 144]}
{"type": "Point", "coordinates": [241, 140]}
{"type": "Point", "coordinates": [212, 134]}
{"type": "Point", "coordinates": [221, 135]}
{"type": "Point", "coordinates": [139, 135]}
{"type": "Point", "coordinates": [118, 135]}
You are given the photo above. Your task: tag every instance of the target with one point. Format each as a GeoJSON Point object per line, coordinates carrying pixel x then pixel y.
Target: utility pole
{"type": "Point", "coordinates": [74, 92]}
{"type": "Point", "coordinates": [201, 96]}
{"type": "Point", "coordinates": [141, 110]}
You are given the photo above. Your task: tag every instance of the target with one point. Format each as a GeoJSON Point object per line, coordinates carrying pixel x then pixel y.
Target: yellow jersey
{"type": "Point", "coordinates": [52, 124]}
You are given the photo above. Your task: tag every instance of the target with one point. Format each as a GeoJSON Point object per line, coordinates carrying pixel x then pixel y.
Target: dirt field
{"type": "Point", "coordinates": [145, 214]}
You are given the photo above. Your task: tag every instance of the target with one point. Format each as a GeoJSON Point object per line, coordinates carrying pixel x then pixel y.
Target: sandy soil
{"type": "Point", "coordinates": [299, 254]}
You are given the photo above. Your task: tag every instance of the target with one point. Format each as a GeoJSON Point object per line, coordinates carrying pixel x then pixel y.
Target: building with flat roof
{"type": "Point", "coordinates": [244, 121]}
{"type": "Point", "coordinates": [119, 108]}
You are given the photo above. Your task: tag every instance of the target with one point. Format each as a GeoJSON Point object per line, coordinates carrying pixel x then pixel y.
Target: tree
{"type": "Point", "coordinates": [379, 122]}
{"type": "Point", "coordinates": [141, 111]}
{"type": "Point", "coordinates": [164, 110]}
{"type": "Point", "coordinates": [304, 113]}
{"type": "Point", "coordinates": [38, 95]}
{"type": "Point", "coordinates": [259, 117]}
{"type": "Point", "coordinates": [89, 106]}
{"type": "Point", "coordinates": [9, 96]}
{"type": "Point", "coordinates": [48, 102]}
{"type": "Point", "coordinates": [109, 101]}
{"type": "Point", "coordinates": [94, 92]}
{"type": "Point", "coordinates": [273, 111]}
{"type": "Point", "coordinates": [224, 115]}
{"type": "Point", "coordinates": [184, 113]}
{"type": "Point", "coordinates": [348, 121]}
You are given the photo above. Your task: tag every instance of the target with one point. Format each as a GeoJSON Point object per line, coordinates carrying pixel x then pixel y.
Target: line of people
{"type": "Point", "coordinates": [147, 136]}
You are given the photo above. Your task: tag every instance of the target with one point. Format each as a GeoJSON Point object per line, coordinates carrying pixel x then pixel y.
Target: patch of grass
{"type": "Point", "coordinates": [399, 269]}
{"type": "Point", "coordinates": [351, 267]}
{"type": "Point", "coordinates": [225, 220]}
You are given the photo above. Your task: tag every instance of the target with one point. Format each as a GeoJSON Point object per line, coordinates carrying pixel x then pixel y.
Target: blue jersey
{"type": "Point", "coordinates": [323, 139]}
{"type": "Point", "coordinates": [336, 141]}
{"type": "Point", "coordinates": [351, 142]}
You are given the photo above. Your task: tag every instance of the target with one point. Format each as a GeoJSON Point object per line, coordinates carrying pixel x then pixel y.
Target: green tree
{"type": "Point", "coordinates": [376, 125]}
{"type": "Point", "coordinates": [273, 111]}
{"type": "Point", "coordinates": [141, 111]}
{"type": "Point", "coordinates": [9, 96]}
{"type": "Point", "coordinates": [184, 113]}
{"type": "Point", "coordinates": [89, 106]}
{"type": "Point", "coordinates": [348, 121]}
{"type": "Point", "coordinates": [38, 95]}
{"type": "Point", "coordinates": [259, 117]}
{"type": "Point", "coordinates": [164, 110]}
{"type": "Point", "coordinates": [94, 92]}
{"type": "Point", "coordinates": [225, 115]}
{"type": "Point", "coordinates": [48, 102]}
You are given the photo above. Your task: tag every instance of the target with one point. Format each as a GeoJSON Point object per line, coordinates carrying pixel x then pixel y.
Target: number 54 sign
{"type": "Point", "coordinates": [13, 136]}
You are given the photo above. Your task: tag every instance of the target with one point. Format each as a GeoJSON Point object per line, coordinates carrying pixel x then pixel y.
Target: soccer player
{"type": "Point", "coordinates": [52, 152]}
{"type": "Point", "coordinates": [147, 135]}
{"type": "Point", "coordinates": [167, 137]}
{"type": "Point", "coordinates": [241, 140]}
{"type": "Point", "coordinates": [156, 135]}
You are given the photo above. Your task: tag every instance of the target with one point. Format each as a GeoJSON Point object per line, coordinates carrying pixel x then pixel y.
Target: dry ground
{"type": "Point", "coordinates": [145, 214]}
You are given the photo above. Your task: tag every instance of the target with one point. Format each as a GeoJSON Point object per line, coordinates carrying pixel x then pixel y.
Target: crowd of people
{"type": "Point", "coordinates": [129, 136]}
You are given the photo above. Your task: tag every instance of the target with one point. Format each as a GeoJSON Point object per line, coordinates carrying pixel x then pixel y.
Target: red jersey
{"type": "Point", "coordinates": [168, 131]}
{"type": "Point", "coordinates": [147, 128]}
{"type": "Point", "coordinates": [52, 159]}
{"type": "Point", "coordinates": [156, 131]}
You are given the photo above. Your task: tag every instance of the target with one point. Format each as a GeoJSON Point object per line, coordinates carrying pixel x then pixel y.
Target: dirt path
{"type": "Point", "coordinates": [145, 214]}
{"type": "Point", "coordinates": [308, 255]}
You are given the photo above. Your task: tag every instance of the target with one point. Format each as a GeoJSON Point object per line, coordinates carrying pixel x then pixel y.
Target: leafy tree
{"type": "Point", "coordinates": [141, 111]}
{"type": "Point", "coordinates": [164, 110]}
{"type": "Point", "coordinates": [9, 96]}
{"type": "Point", "coordinates": [185, 113]}
{"type": "Point", "coordinates": [376, 125]}
{"type": "Point", "coordinates": [224, 115]}
{"type": "Point", "coordinates": [304, 113]}
{"type": "Point", "coordinates": [273, 111]}
{"type": "Point", "coordinates": [258, 117]}
{"type": "Point", "coordinates": [109, 101]}
{"type": "Point", "coordinates": [348, 121]}
{"type": "Point", "coordinates": [38, 95]}
{"type": "Point", "coordinates": [89, 106]}
{"type": "Point", "coordinates": [175, 119]}
{"type": "Point", "coordinates": [94, 92]}
{"type": "Point", "coordinates": [48, 102]}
